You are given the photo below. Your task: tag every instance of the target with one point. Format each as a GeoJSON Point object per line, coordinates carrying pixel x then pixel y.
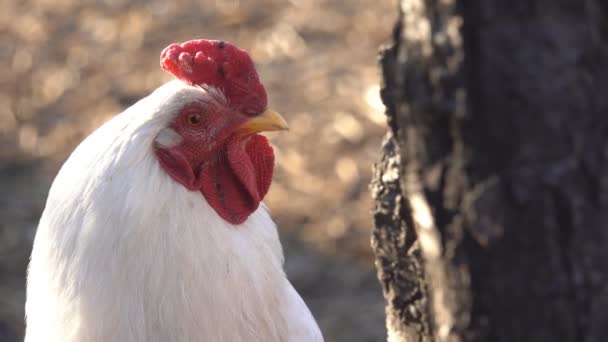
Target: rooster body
{"type": "Point", "coordinates": [123, 252]}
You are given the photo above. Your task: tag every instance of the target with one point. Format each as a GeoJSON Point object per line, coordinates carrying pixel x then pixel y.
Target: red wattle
{"type": "Point", "coordinates": [178, 167]}
{"type": "Point", "coordinates": [236, 184]}
{"type": "Point", "coordinates": [261, 155]}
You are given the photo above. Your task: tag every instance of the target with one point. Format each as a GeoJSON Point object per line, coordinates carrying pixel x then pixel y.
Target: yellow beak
{"type": "Point", "coordinates": [267, 121]}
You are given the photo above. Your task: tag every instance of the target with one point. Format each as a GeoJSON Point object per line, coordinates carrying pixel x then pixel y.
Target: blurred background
{"type": "Point", "coordinates": [70, 65]}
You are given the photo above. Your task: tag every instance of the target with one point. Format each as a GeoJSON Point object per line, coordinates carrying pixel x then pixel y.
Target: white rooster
{"type": "Point", "coordinates": [154, 228]}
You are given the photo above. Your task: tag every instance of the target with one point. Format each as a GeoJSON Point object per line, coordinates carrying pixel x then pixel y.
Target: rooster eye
{"type": "Point", "coordinates": [194, 119]}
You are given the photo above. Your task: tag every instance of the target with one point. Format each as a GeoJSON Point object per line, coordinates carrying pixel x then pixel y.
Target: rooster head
{"type": "Point", "coordinates": [212, 144]}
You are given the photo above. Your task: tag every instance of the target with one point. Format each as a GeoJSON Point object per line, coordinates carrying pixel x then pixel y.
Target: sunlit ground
{"type": "Point", "coordinates": [70, 65]}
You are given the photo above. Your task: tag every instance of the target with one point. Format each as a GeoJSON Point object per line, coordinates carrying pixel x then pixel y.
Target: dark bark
{"type": "Point", "coordinates": [492, 192]}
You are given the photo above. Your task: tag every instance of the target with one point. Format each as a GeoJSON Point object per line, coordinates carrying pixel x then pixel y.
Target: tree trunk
{"type": "Point", "coordinates": [491, 194]}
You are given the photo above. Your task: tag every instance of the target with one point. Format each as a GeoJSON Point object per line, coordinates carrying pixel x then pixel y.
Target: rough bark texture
{"type": "Point", "coordinates": [492, 192]}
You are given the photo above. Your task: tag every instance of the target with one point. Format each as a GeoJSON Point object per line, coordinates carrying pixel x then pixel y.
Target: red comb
{"type": "Point", "coordinates": [221, 65]}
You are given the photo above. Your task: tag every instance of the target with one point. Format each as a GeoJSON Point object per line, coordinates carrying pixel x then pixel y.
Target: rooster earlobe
{"type": "Point", "coordinates": [168, 138]}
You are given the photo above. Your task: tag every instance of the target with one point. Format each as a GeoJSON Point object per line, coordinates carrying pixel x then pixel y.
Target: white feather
{"type": "Point", "coordinates": [124, 253]}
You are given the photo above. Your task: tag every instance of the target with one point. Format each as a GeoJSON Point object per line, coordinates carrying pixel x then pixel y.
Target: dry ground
{"type": "Point", "coordinates": [69, 65]}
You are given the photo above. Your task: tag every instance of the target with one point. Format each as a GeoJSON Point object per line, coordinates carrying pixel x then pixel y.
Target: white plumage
{"type": "Point", "coordinates": [125, 253]}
